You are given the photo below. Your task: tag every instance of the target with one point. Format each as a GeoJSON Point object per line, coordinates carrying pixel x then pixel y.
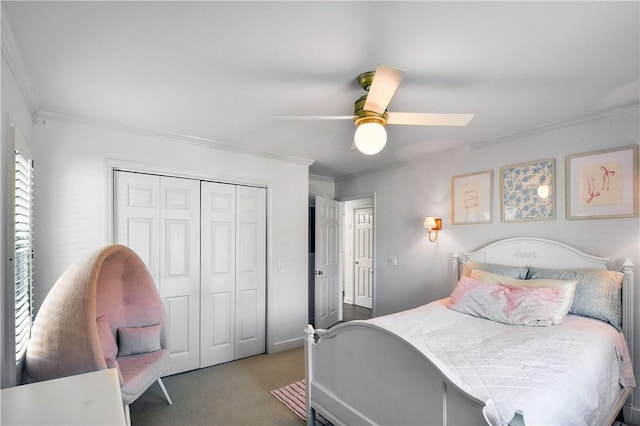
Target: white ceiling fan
{"type": "Point", "coordinates": [370, 111]}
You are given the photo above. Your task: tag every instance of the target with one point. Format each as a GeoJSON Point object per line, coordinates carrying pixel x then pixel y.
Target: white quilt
{"type": "Point", "coordinates": [557, 375]}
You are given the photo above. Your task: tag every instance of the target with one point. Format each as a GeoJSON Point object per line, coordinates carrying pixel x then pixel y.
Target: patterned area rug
{"type": "Point", "coordinates": [293, 397]}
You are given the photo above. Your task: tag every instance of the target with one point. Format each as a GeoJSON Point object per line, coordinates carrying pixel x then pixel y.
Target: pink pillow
{"type": "Point", "coordinates": [506, 304]}
{"type": "Point", "coordinates": [106, 337]}
{"type": "Point", "coordinates": [568, 289]}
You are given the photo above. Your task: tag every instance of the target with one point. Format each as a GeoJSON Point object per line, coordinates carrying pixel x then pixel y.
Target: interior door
{"type": "Point", "coordinates": [218, 295]}
{"type": "Point", "coordinates": [180, 270]}
{"type": "Point", "coordinates": [363, 257]}
{"type": "Point", "coordinates": [158, 218]}
{"type": "Point", "coordinates": [137, 217]}
{"type": "Point", "coordinates": [327, 283]}
{"type": "Point", "coordinates": [251, 297]}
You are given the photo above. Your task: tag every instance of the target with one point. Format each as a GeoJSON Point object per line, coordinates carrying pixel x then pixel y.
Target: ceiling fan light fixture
{"type": "Point", "coordinates": [370, 137]}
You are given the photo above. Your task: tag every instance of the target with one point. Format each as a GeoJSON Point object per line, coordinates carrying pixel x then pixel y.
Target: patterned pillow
{"type": "Point", "coordinates": [598, 292]}
{"type": "Point", "coordinates": [519, 272]}
{"type": "Point", "coordinates": [567, 287]}
{"type": "Point", "coordinates": [506, 304]}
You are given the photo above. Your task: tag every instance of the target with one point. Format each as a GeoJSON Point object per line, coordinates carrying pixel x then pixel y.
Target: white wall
{"type": "Point", "coordinates": [405, 195]}
{"type": "Point", "coordinates": [319, 185]}
{"type": "Point", "coordinates": [72, 199]}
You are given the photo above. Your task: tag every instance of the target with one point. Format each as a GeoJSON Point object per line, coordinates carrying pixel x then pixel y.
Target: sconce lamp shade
{"type": "Point", "coordinates": [370, 138]}
{"type": "Point", "coordinates": [429, 222]}
{"type": "Point", "coordinates": [433, 224]}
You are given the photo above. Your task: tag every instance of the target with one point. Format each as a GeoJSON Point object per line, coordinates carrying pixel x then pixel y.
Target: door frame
{"type": "Point", "coordinates": [112, 165]}
{"type": "Point", "coordinates": [368, 200]}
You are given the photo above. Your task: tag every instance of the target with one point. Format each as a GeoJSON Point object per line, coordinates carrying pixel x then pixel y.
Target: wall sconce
{"type": "Point", "coordinates": [433, 224]}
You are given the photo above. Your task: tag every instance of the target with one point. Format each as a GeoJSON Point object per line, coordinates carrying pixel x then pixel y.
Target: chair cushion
{"type": "Point", "coordinates": [113, 363]}
{"type": "Point", "coordinates": [137, 340]}
{"type": "Point", "coordinates": [107, 340]}
{"type": "Point", "coordinates": [140, 371]}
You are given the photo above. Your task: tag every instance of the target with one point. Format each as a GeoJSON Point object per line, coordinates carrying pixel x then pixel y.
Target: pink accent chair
{"type": "Point", "coordinates": [103, 312]}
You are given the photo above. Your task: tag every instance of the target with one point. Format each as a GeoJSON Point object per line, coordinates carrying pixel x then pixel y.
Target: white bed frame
{"type": "Point", "coordinates": [358, 373]}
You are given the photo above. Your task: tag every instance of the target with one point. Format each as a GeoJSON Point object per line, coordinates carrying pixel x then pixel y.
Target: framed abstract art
{"type": "Point", "coordinates": [528, 191]}
{"type": "Point", "coordinates": [472, 198]}
{"type": "Point", "coordinates": [603, 184]}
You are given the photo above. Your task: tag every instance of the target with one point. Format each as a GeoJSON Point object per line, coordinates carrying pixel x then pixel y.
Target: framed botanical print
{"type": "Point", "coordinates": [472, 198]}
{"type": "Point", "coordinates": [528, 191]}
{"type": "Point", "coordinates": [603, 184]}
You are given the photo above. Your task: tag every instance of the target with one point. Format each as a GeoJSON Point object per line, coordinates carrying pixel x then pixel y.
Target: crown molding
{"type": "Point", "coordinates": [44, 114]}
{"type": "Point", "coordinates": [615, 111]}
{"type": "Point", "coordinates": [14, 58]}
{"type": "Point", "coordinates": [321, 178]}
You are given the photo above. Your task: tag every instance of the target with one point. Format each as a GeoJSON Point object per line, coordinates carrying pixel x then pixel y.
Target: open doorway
{"type": "Point", "coordinates": [341, 260]}
{"type": "Point", "coordinates": [357, 269]}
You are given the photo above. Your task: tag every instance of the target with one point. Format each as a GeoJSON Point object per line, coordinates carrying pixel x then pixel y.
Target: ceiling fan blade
{"type": "Point", "coordinates": [428, 119]}
{"type": "Point", "coordinates": [384, 85]}
{"type": "Point", "coordinates": [313, 117]}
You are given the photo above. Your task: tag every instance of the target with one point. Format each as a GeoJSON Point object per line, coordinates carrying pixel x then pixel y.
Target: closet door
{"type": "Point", "coordinates": [218, 276]}
{"type": "Point", "coordinates": [158, 218]}
{"type": "Point", "coordinates": [233, 285]}
{"type": "Point", "coordinates": [205, 245]}
{"type": "Point", "coordinates": [180, 270]}
{"type": "Point", "coordinates": [137, 216]}
{"type": "Point", "coordinates": [250, 271]}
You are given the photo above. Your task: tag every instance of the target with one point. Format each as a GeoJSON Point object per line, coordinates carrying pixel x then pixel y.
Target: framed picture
{"type": "Point", "coordinates": [603, 184]}
{"type": "Point", "coordinates": [528, 191]}
{"type": "Point", "coordinates": [472, 198]}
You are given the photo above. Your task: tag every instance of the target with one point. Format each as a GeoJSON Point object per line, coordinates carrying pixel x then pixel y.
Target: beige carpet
{"type": "Point", "coordinates": [235, 393]}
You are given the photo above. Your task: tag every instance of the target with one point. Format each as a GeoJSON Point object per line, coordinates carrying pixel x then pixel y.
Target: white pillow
{"type": "Point", "coordinates": [568, 288]}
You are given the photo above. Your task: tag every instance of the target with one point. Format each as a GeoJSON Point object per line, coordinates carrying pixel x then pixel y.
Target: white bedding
{"type": "Point", "coordinates": [557, 375]}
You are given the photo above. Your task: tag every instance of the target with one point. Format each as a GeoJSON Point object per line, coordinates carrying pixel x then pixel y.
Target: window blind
{"type": "Point", "coordinates": [23, 254]}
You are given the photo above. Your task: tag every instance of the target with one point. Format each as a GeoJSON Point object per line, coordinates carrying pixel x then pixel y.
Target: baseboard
{"type": "Point", "coordinates": [286, 345]}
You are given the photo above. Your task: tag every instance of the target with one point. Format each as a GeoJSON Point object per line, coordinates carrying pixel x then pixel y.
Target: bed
{"type": "Point", "coordinates": [436, 364]}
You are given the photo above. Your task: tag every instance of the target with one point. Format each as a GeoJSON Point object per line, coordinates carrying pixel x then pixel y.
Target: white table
{"type": "Point", "coordinates": [86, 399]}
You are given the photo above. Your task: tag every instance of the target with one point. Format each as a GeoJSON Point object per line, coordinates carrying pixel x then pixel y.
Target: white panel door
{"type": "Point", "coordinates": [250, 271]}
{"type": "Point", "coordinates": [180, 270]}
{"type": "Point", "coordinates": [218, 276]}
{"type": "Point", "coordinates": [205, 247]}
{"type": "Point", "coordinates": [327, 283]}
{"type": "Point", "coordinates": [137, 216]}
{"type": "Point", "coordinates": [158, 218]}
{"type": "Point", "coordinates": [363, 255]}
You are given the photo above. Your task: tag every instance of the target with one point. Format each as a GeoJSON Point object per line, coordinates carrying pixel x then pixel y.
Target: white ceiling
{"type": "Point", "coordinates": [221, 71]}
